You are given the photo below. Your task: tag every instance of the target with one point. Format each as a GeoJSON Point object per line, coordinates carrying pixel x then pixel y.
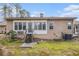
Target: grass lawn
{"type": "Point", "coordinates": [46, 48]}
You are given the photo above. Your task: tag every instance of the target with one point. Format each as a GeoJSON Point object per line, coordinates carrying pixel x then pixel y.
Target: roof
{"type": "Point", "coordinates": [40, 18]}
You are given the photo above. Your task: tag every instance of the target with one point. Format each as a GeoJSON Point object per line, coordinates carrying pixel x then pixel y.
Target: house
{"type": "Point", "coordinates": [77, 27]}
{"type": "Point", "coordinates": [42, 27]}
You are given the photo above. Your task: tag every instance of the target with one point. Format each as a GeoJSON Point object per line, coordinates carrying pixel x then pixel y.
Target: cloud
{"type": "Point", "coordinates": [70, 14]}
{"type": "Point", "coordinates": [71, 8]}
{"type": "Point", "coordinates": [70, 11]}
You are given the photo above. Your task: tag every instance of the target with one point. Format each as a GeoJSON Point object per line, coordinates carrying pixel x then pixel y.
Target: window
{"type": "Point", "coordinates": [16, 25]}
{"type": "Point", "coordinates": [35, 26]}
{"type": "Point", "coordinates": [40, 26]}
{"type": "Point", "coordinates": [69, 26]}
{"type": "Point", "coordinates": [30, 28]}
{"type": "Point", "coordinates": [24, 25]}
{"type": "Point", "coordinates": [20, 25]}
{"type": "Point", "coordinates": [44, 26]}
{"type": "Point", "coordinates": [51, 26]}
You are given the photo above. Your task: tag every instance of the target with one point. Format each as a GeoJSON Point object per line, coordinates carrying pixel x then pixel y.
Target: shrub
{"type": "Point", "coordinates": [12, 34]}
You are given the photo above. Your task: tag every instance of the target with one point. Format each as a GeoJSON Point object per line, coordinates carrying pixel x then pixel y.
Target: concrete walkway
{"type": "Point", "coordinates": [28, 45]}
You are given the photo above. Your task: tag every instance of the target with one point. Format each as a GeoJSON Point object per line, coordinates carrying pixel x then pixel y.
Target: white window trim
{"type": "Point", "coordinates": [35, 31]}
{"type": "Point", "coordinates": [69, 24]}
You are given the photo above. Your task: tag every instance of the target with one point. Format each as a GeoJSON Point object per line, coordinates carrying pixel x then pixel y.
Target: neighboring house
{"type": "Point", "coordinates": [77, 27]}
{"type": "Point", "coordinates": [2, 27]}
{"type": "Point", "coordinates": [42, 27]}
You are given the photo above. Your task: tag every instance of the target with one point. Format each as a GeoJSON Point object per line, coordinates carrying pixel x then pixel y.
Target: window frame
{"type": "Point", "coordinates": [51, 27]}
{"type": "Point", "coordinates": [69, 25]}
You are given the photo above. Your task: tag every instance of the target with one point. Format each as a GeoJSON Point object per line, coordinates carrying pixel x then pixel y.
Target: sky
{"type": "Point", "coordinates": [52, 9]}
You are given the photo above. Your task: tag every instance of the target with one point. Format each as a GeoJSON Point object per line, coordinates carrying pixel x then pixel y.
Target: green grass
{"type": "Point", "coordinates": [46, 48]}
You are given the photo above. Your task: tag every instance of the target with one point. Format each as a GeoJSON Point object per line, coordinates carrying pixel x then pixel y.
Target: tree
{"type": "Point", "coordinates": [20, 12]}
{"type": "Point", "coordinates": [18, 8]}
{"type": "Point", "coordinates": [9, 12]}
{"type": "Point", "coordinates": [24, 13]}
{"type": "Point", "coordinates": [27, 14]}
{"type": "Point", "coordinates": [6, 11]}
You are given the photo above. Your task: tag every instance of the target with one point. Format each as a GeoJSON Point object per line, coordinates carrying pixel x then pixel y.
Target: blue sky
{"type": "Point", "coordinates": [51, 9]}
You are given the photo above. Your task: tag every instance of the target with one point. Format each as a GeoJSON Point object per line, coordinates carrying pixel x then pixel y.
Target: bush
{"type": "Point", "coordinates": [12, 34]}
